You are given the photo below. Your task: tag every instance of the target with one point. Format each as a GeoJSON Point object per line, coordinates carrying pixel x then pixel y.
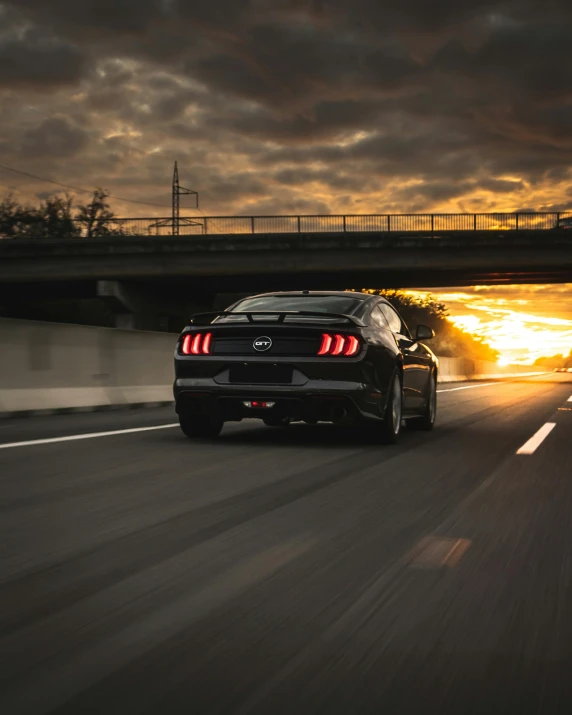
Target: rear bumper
{"type": "Point", "coordinates": [314, 400]}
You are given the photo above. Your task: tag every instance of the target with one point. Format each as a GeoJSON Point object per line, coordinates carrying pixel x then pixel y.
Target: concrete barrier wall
{"type": "Point", "coordinates": [461, 369]}
{"type": "Point", "coordinates": [452, 369]}
{"type": "Point", "coordinates": [50, 366]}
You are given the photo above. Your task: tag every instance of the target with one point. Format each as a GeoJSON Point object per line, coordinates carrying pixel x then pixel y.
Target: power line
{"type": "Point", "coordinates": [77, 188]}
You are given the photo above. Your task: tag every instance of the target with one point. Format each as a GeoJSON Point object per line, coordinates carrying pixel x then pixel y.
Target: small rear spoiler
{"type": "Point", "coordinates": [207, 318]}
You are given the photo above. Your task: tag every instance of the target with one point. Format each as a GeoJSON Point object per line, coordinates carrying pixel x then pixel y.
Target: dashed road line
{"type": "Point", "coordinates": [437, 551]}
{"type": "Point", "coordinates": [537, 439]}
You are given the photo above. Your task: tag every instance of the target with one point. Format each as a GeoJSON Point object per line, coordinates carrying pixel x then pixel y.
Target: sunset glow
{"type": "Point", "coordinates": [522, 322]}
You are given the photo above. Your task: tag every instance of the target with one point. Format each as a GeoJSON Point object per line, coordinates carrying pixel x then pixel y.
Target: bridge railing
{"type": "Point", "coordinates": [427, 224]}
{"type": "Point", "coordinates": [358, 223]}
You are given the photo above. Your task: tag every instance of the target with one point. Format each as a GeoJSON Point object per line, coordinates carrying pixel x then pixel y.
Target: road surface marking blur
{"type": "Point", "coordinates": [569, 399]}
{"type": "Point", "coordinates": [536, 440]}
{"type": "Point", "coordinates": [470, 387]}
{"type": "Point", "coordinates": [437, 551]}
{"type": "Point", "coordinates": [91, 435]}
{"type": "Point", "coordinates": [133, 640]}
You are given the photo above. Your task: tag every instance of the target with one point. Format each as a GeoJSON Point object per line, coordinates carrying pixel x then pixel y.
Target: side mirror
{"type": "Point", "coordinates": [424, 333]}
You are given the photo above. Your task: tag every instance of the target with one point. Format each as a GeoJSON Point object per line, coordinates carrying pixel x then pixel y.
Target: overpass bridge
{"type": "Point", "coordinates": [141, 263]}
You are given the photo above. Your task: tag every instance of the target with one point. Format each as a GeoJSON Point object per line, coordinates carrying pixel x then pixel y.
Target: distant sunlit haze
{"type": "Point", "coordinates": [522, 322]}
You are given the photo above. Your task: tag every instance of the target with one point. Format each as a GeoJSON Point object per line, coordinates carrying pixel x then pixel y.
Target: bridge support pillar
{"type": "Point", "coordinates": [138, 306]}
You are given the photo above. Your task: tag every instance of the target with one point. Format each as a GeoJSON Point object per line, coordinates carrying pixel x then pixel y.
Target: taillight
{"type": "Point", "coordinates": [338, 345]}
{"type": "Point", "coordinates": [207, 343]}
{"type": "Point", "coordinates": [326, 344]}
{"type": "Point", "coordinates": [352, 345]}
{"type": "Point", "coordinates": [197, 344]}
{"type": "Point", "coordinates": [346, 345]}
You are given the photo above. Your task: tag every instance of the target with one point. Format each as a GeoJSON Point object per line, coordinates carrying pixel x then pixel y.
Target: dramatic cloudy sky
{"type": "Point", "coordinates": [291, 106]}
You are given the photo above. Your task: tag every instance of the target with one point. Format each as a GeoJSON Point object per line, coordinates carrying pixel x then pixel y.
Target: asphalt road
{"type": "Point", "coordinates": [303, 570]}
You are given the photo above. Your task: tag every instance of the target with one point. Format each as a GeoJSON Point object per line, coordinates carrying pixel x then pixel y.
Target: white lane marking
{"type": "Point", "coordinates": [536, 440]}
{"type": "Point", "coordinates": [91, 435]}
{"type": "Point", "coordinates": [471, 387]}
{"type": "Point", "coordinates": [569, 399]}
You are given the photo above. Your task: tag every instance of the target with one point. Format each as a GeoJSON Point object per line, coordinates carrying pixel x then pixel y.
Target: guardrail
{"type": "Point", "coordinates": [430, 224]}
{"type": "Point", "coordinates": [374, 223]}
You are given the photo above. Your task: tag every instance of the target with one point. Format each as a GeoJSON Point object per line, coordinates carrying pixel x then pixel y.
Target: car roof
{"type": "Point", "coordinates": [316, 293]}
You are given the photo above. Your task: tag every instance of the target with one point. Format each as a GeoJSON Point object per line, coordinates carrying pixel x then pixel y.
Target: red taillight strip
{"type": "Point", "coordinates": [339, 346]}
{"type": "Point", "coordinates": [197, 344]}
{"type": "Point", "coordinates": [352, 347]}
{"type": "Point", "coordinates": [326, 344]}
{"type": "Point", "coordinates": [346, 345]}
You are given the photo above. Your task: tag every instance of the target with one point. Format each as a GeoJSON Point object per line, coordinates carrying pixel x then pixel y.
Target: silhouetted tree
{"type": "Point", "coordinates": [54, 218]}
{"type": "Point", "coordinates": [96, 217]}
{"type": "Point", "coordinates": [554, 361]}
{"type": "Point", "coordinates": [9, 215]}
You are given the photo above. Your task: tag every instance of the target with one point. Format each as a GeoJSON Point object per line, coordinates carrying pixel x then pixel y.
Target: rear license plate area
{"type": "Point", "coordinates": [261, 374]}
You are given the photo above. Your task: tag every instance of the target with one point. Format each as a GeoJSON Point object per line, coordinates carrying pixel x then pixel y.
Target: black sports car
{"type": "Point", "coordinates": [338, 357]}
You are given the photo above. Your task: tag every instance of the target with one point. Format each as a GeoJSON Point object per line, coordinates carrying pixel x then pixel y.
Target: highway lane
{"type": "Point", "coordinates": [282, 570]}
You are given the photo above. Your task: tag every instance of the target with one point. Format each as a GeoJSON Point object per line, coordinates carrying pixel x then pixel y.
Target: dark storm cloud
{"type": "Point", "coordinates": [93, 16]}
{"type": "Point", "coordinates": [501, 186]}
{"type": "Point", "coordinates": [433, 191]}
{"type": "Point", "coordinates": [532, 59]}
{"type": "Point", "coordinates": [338, 181]}
{"type": "Point", "coordinates": [35, 62]}
{"type": "Point", "coordinates": [54, 137]}
{"type": "Point", "coordinates": [292, 68]}
{"type": "Point", "coordinates": [326, 120]}
{"type": "Point", "coordinates": [303, 103]}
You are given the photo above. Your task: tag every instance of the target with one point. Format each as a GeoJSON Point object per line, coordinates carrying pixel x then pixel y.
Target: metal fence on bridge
{"type": "Point", "coordinates": [427, 224]}
{"type": "Point", "coordinates": [431, 224]}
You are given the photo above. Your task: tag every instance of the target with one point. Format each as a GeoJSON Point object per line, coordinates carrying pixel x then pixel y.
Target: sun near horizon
{"type": "Point", "coordinates": [522, 322]}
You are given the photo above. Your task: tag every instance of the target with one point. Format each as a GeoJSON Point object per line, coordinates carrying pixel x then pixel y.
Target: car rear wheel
{"type": "Point", "coordinates": [427, 420]}
{"type": "Point", "coordinates": [391, 425]}
{"type": "Point", "coordinates": [194, 426]}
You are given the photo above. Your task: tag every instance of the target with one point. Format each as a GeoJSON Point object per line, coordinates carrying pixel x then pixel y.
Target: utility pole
{"type": "Point", "coordinates": [179, 191]}
{"type": "Point", "coordinates": [176, 201]}
{"type": "Point", "coordinates": [175, 222]}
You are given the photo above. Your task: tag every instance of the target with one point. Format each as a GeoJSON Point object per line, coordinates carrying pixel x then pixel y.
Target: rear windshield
{"type": "Point", "coordinates": [318, 303]}
{"type": "Point", "coordinates": [339, 304]}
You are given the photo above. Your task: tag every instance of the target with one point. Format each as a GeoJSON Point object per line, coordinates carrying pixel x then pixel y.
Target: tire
{"type": "Point", "coordinates": [276, 421]}
{"type": "Point", "coordinates": [426, 421]}
{"type": "Point", "coordinates": [391, 425]}
{"type": "Point", "coordinates": [195, 426]}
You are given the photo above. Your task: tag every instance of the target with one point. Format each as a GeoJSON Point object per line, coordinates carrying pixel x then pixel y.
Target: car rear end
{"type": "Point", "coordinates": [281, 366]}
